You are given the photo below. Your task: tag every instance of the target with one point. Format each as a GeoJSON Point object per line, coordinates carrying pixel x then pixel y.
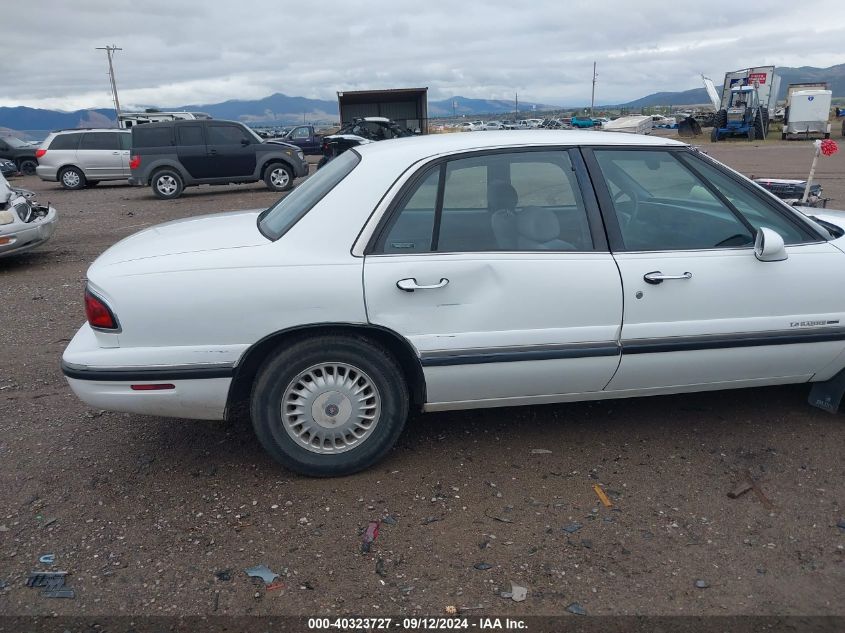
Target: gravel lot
{"type": "Point", "coordinates": [142, 511]}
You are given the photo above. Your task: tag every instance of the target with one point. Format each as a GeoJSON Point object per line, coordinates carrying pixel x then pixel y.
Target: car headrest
{"type": "Point", "coordinates": [538, 224]}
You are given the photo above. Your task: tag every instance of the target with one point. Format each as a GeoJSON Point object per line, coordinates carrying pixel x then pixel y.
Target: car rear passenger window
{"type": "Point", "coordinates": [190, 135]}
{"type": "Point", "coordinates": [65, 141]}
{"type": "Point", "coordinates": [412, 226]}
{"type": "Point", "coordinates": [100, 140]}
{"type": "Point", "coordinates": [519, 201]}
{"type": "Point", "coordinates": [125, 141]}
{"type": "Point", "coordinates": [149, 136]}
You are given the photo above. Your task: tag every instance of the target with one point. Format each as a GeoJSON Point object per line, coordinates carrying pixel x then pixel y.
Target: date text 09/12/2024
{"type": "Point", "coordinates": [416, 624]}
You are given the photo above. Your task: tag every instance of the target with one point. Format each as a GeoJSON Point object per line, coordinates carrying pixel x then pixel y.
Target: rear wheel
{"type": "Point", "coordinates": [329, 405]}
{"type": "Point", "coordinates": [167, 184]}
{"type": "Point", "coordinates": [72, 178]}
{"type": "Point", "coordinates": [278, 177]}
{"type": "Point", "coordinates": [27, 166]}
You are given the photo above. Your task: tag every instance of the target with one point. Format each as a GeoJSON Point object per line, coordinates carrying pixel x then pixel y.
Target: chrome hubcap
{"type": "Point", "coordinates": [330, 408]}
{"type": "Point", "coordinates": [279, 177]}
{"type": "Point", "coordinates": [166, 184]}
{"type": "Point", "coordinates": [70, 178]}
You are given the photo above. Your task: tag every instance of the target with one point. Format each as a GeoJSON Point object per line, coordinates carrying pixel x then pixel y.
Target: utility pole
{"type": "Point", "coordinates": [110, 51]}
{"type": "Point", "coordinates": [515, 107]}
{"type": "Point", "coordinates": [593, 98]}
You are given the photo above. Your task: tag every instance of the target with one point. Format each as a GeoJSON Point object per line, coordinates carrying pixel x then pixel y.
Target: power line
{"type": "Point", "coordinates": [109, 52]}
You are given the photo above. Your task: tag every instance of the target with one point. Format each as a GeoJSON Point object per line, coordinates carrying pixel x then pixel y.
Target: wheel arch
{"type": "Point", "coordinates": [246, 369]}
{"type": "Point", "coordinates": [165, 164]}
{"type": "Point", "coordinates": [272, 159]}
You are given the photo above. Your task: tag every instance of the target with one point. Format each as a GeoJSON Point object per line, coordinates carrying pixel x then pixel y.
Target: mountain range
{"type": "Point", "coordinates": [283, 109]}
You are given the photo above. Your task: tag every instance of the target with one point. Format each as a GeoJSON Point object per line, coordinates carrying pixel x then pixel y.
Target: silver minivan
{"type": "Point", "coordinates": [80, 158]}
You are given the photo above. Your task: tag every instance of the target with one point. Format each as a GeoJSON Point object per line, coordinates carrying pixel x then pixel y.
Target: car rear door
{"type": "Point", "coordinates": [494, 266]}
{"type": "Point", "coordinates": [192, 151]}
{"type": "Point", "coordinates": [99, 155]}
{"type": "Point", "coordinates": [700, 309]}
{"type": "Point", "coordinates": [231, 150]}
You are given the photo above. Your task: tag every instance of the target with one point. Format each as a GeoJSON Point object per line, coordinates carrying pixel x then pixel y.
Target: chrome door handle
{"type": "Point", "coordinates": [409, 285]}
{"type": "Point", "coordinates": [658, 277]}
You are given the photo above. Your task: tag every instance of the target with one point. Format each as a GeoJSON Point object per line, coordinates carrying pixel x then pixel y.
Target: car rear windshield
{"type": "Point", "coordinates": [148, 136]}
{"type": "Point", "coordinates": [278, 219]}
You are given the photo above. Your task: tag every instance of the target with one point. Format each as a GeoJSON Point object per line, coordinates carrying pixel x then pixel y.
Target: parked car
{"type": "Point", "coordinates": [493, 125]}
{"type": "Point", "coordinates": [375, 128]}
{"type": "Point", "coordinates": [467, 126]}
{"type": "Point", "coordinates": [507, 124]}
{"type": "Point", "coordinates": [172, 155]}
{"type": "Point", "coordinates": [582, 122]}
{"type": "Point", "coordinates": [24, 224]}
{"type": "Point", "coordinates": [305, 137]}
{"type": "Point", "coordinates": [458, 271]}
{"type": "Point", "coordinates": [82, 158]}
{"type": "Point", "coordinates": [22, 153]}
{"type": "Point", "coordinates": [8, 168]}
{"type": "Point", "coordinates": [335, 144]}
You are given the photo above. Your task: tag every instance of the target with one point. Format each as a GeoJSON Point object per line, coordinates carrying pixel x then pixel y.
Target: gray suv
{"type": "Point", "coordinates": [172, 155]}
{"type": "Point", "coordinates": [84, 157]}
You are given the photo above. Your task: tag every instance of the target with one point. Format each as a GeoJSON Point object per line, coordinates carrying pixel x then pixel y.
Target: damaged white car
{"type": "Point", "coordinates": [24, 223]}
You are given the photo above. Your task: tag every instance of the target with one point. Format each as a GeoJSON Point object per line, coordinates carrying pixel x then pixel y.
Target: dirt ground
{"type": "Point", "coordinates": [142, 512]}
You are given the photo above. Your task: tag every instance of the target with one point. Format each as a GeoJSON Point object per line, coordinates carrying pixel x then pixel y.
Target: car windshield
{"type": "Point", "coordinates": [257, 138]}
{"type": "Point", "coordinates": [279, 218]}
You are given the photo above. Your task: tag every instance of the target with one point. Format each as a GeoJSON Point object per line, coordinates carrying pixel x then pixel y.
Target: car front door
{"type": "Point", "coordinates": [231, 150]}
{"type": "Point", "coordinates": [700, 308]}
{"type": "Point", "coordinates": [495, 268]}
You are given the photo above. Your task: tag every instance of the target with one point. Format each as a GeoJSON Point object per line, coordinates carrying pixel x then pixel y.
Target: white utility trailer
{"type": "Point", "coordinates": [807, 113]}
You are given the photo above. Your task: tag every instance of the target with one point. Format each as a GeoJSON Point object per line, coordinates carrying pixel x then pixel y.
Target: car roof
{"type": "Point", "coordinates": [71, 130]}
{"type": "Point", "coordinates": [413, 148]}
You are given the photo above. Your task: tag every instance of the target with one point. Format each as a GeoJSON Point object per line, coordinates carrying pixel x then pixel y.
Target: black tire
{"type": "Point", "coordinates": [720, 120]}
{"type": "Point", "coordinates": [783, 136]}
{"type": "Point", "coordinates": [27, 166]}
{"type": "Point", "coordinates": [323, 161]}
{"type": "Point", "coordinates": [72, 178]}
{"type": "Point", "coordinates": [167, 184]}
{"type": "Point", "coordinates": [278, 177]}
{"type": "Point", "coordinates": [752, 133]}
{"type": "Point", "coordinates": [289, 367]}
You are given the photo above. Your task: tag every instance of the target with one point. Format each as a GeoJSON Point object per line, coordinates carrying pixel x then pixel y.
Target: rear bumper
{"type": "Point", "coordinates": [46, 172]}
{"type": "Point", "coordinates": [100, 377]}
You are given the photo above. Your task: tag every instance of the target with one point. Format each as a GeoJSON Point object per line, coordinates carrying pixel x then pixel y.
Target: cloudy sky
{"type": "Point", "coordinates": [177, 53]}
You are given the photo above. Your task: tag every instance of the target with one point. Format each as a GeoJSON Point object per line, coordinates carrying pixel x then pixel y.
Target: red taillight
{"type": "Point", "coordinates": [156, 387]}
{"type": "Point", "coordinates": [40, 152]}
{"type": "Point", "coordinates": [134, 162]}
{"type": "Point", "coordinates": [98, 313]}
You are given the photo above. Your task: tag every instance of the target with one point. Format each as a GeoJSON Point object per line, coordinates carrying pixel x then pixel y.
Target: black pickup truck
{"type": "Point", "coordinates": [20, 152]}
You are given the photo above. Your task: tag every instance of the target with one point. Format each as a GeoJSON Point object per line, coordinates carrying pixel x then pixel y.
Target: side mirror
{"type": "Point", "coordinates": [769, 246]}
{"type": "Point", "coordinates": [245, 142]}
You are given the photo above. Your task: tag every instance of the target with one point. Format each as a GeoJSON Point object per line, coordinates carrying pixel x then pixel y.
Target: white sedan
{"type": "Point", "coordinates": [458, 271]}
